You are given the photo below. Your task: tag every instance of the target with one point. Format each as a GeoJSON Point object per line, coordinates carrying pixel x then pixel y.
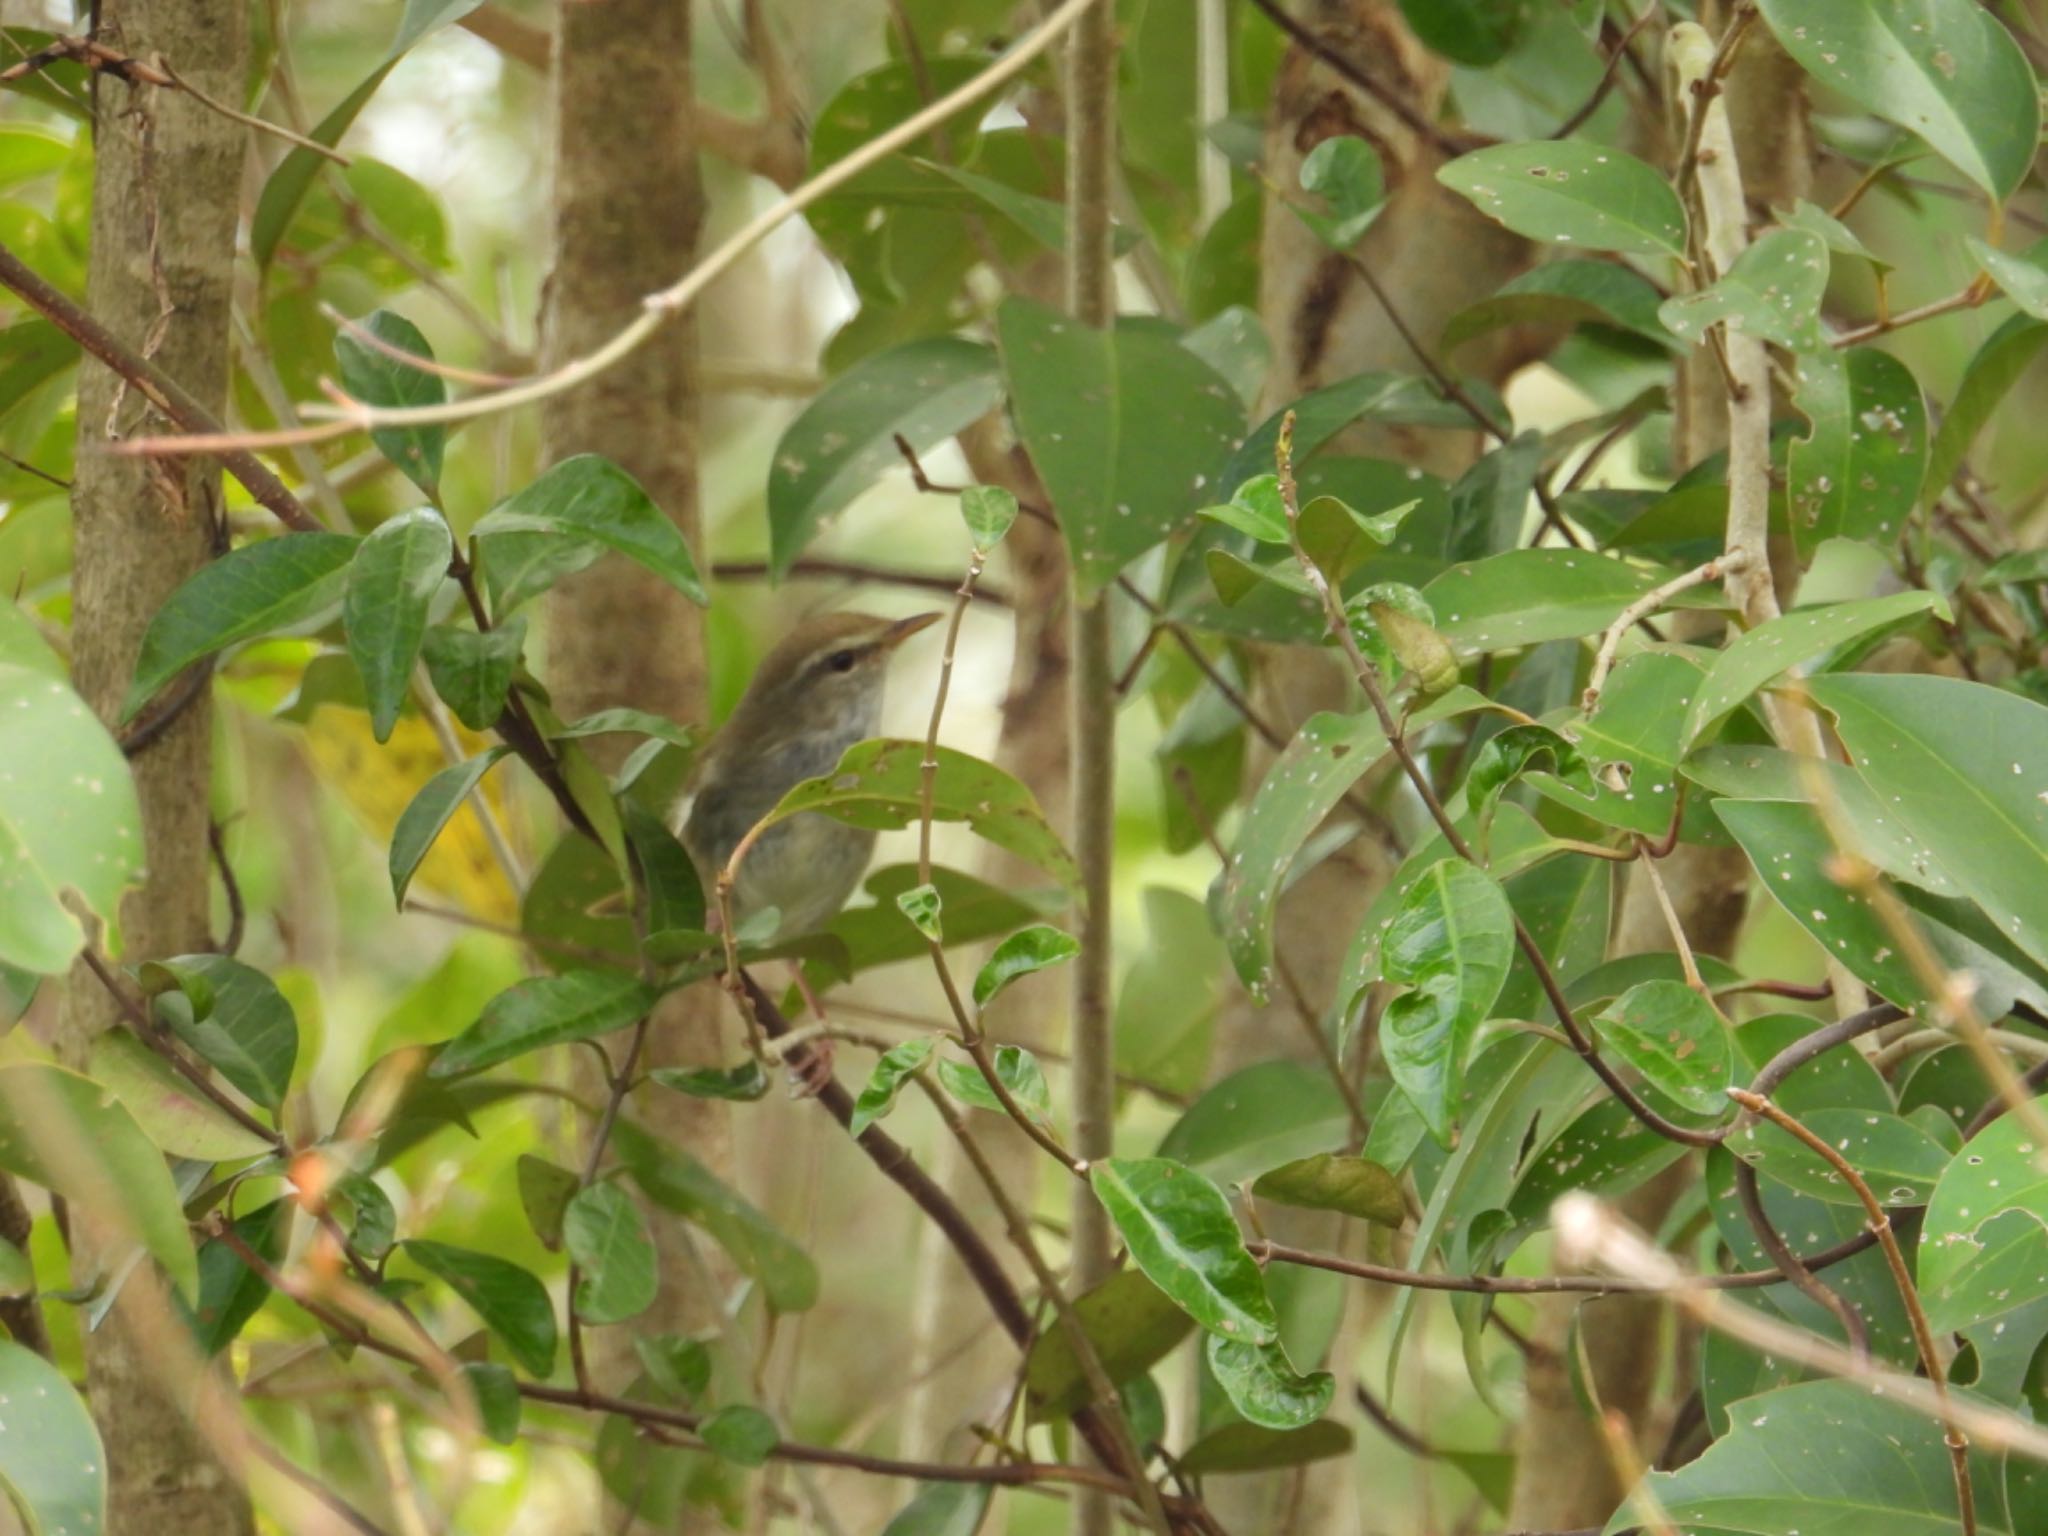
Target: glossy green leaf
{"type": "Point", "coordinates": [1824, 1457]}
{"type": "Point", "coordinates": [69, 821]}
{"type": "Point", "coordinates": [74, 1138]}
{"type": "Point", "coordinates": [258, 589]}
{"type": "Point", "coordinates": [638, 722]}
{"type": "Point", "coordinates": [923, 909]}
{"type": "Point", "coordinates": [1180, 1232]}
{"type": "Point", "coordinates": [1450, 945]}
{"type": "Point", "coordinates": [678, 1182]}
{"type": "Point", "coordinates": [875, 934]}
{"type": "Point", "coordinates": [741, 1434]}
{"type": "Point", "coordinates": [472, 672]}
{"type": "Point", "coordinates": [1944, 69]}
{"type": "Point", "coordinates": [1023, 953]}
{"type": "Point", "coordinates": [496, 1392]}
{"type": "Point", "coordinates": [605, 1235]}
{"type": "Point", "coordinates": [1565, 293]}
{"type": "Point", "coordinates": [1528, 596]}
{"type": "Point", "coordinates": [1345, 172]}
{"type": "Point", "coordinates": [1675, 1039]}
{"type": "Point", "coordinates": [384, 606]}
{"type": "Point", "coordinates": [1254, 509]}
{"type": "Point", "coordinates": [1330, 1181]}
{"type": "Point", "coordinates": [1093, 409]}
{"type": "Point", "coordinates": [1857, 471]}
{"type": "Point", "coordinates": [1243, 1447]}
{"type": "Point", "coordinates": [1984, 1242]}
{"type": "Point", "coordinates": [1573, 193]}
{"type": "Point", "coordinates": [374, 376]}
{"type": "Point", "coordinates": [1965, 768]}
{"type": "Point", "coordinates": [880, 784]}
{"type": "Point", "coordinates": [1131, 1324]}
{"type": "Point", "coordinates": [570, 517]}
{"type": "Point", "coordinates": [2021, 280]}
{"type": "Point", "coordinates": [1758, 656]}
{"type": "Point", "coordinates": [295, 174]}
{"type": "Point", "coordinates": [248, 1030]}
{"type": "Point", "coordinates": [230, 1293]}
{"type": "Point", "coordinates": [173, 1114]}
{"type": "Point", "coordinates": [988, 511]}
{"type": "Point", "coordinates": [545, 1190]}
{"type": "Point", "coordinates": [844, 440]}
{"type": "Point", "coordinates": [1997, 366]}
{"type": "Point", "coordinates": [742, 1084]}
{"type": "Point", "coordinates": [1262, 1384]}
{"type": "Point", "coordinates": [548, 1010]}
{"type": "Point", "coordinates": [1772, 292]}
{"type": "Point", "coordinates": [1257, 1118]}
{"type": "Point", "coordinates": [52, 1463]}
{"type": "Point", "coordinates": [895, 1068]}
{"type": "Point", "coordinates": [512, 1303]}
{"type": "Point", "coordinates": [1898, 1159]}
{"type": "Point", "coordinates": [942, 1509]}
{"type": "Point", "coordinates": [1634, 734]}
{"type": "Point", "coordinates": [430, 811]}
{"type": "Point", "coordinates": [1019, 1073]}
{"type": "Point", "coordinates": [1043, 219]}
{"type": "Point", "coordinates": [1508, 754]}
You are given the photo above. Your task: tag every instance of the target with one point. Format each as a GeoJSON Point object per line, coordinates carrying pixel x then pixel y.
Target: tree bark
{"type": "Point", "coordinates": [161, 278]}
{"type": "Point", "coordinates": [628, 205]}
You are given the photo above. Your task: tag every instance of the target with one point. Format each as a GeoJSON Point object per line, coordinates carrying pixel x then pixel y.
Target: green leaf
{"type": "Point", "coordinates": [1257, 1118]}
{"type": "Point", "coordinates": [235, 1018]}
{"type": "Point", "coordinates": [1450, 943]}
{"type": "Point", "coordinates": [17, 1271]}
{"type": "Point", "coordinates": [638, 721]}
{"type": "Point", "coordinates": [1528, 596]}
{"type": "Point", "coordinates": [922, 908]}
{"type": "Point", "coordinates": [374, 1223]}
{"type": "Point", "coordinates": [741, 1434]}
{"type": "Point", "coordinates": [1772, 292]}
{"type": "Point", "coordinates": [604, 1233]}
{"type": "Point", "coordinates": [942, 1509]}
{"type": "Point", "coordinates": [1131, 1323]}
{"type": "Point", "coordinates": [880, 784]}
{"type": "Point", "coordinates": [73, 1137]}
{"type": "Point", "coordinates": [742, 1084]}
{"type": "Point", "coordinates": [230, 1293]}
{"type": "Point", "coordinates": [372, 375]}
{"type": "Point", "coordinates": [1943, 69]}
{"type": "Point", "coordinates": [1019, 1072]}
{"type": "Point", "coordinates": [1898, 1159]}
{"type": "Point", "coordinates": [472, 672]}
{"type": "Point", "coordinates": [1345, 172]}
{"type": "Point", "coordinates": [1262, 1384]}
{"type": "Point", "coordinates": [1044, 220]}
{"type": "Point", "coordinates": [1180, 1232]}
{"type": "Point", "coordinates": [1965, 768]}
{"type": "Point", "coordinates": [1089, 406]}
{"type": "Point", "coordinates": [1253, 1448]}
{"type": "Point", "coordinates": [429, 812]}
{"type": "Point", "coordinates": [1506, 756]}
{"type": "Point", "coordinates": [1573, 193]}
{"type": "Point", "coordinates": [1329, 1181]}
{"type": "Point", "coordinates": [1857, 471]}
{"type": "Point", "coordinates": [545, 1190]}
{"type": "Point", "coordinates": [1637, 723]}
{"type": "Point", "coordinates": [548, 1010]}
{"type": "Point", "coordinates": [1675, 1039]}
{"type": "Point", "coordinates": [1475, 33]}
{"type": "Point", "coordinates": [1255, 509]}
{"type": "Point", "coordinates": [1990, 376]}
{"type": "Point", "coordinates": [1775, 647]}
{"type": "Point", "coordinates": [892, 1071]}
{"type": "Point", "coordinates": [988, 511]}
{"type": "Point", "coordinates": [496, 1391]}
{"type": "Point", "coordinates": [673, 894]}
{"type": "Point", "coordinates": [1984, 1242]}
{"type": "Point", "coordinates": [876, 934]}
{"type": "Point", "coordinates": [2021, 280]}
{"type": "Point", "coordinates": [52, 1463]}
{"type": "Point", "coordinates": [678, 1182]}
{"type": "Point", "coordinates": [1823, 1457]}
{"type": "Point", "coordinates": [384, 606]}
{"type": "Point", "coordinates": [512, 1303]}
{"type": "Point", "coordinates": [844, 440]}
{"type": "Point", "coordinates": [69, 821]}
{"type": "Point", "coordinates": [173, 1114]}
{"type": "Point", "coordinates": [295, 174]}
{"type": "Point", "coordinates": [567, 519]}
{"type": "Point", "coordinates": [1565, 293]}
{"type": "Point", "coordinates": [259, 589]}
{"type": "Point", "coordinates": [1023, 953]}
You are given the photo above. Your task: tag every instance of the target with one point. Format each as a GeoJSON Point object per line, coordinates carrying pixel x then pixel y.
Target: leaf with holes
{"type": "Point", "coordinates": [1573, 193]}
{"type": "Point", "coordinates": [1180, 1232]}
{"type": "Point", "coordinates": [1984, 1242]}
{"type": "Point", "coordinates": [1857, 472]}
{"type": "Point", "coordinates": [1773, 293]}
{"type": "Point", "coordinates": [1898, 1159]}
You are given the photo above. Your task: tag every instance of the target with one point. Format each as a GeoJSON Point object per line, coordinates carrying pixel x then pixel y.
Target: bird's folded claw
{"type": "Point", "coordinates": [810, 1070]}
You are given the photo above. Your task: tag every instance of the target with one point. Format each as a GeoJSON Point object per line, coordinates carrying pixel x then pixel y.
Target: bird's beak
{"type": "Point", "coordinates": [903, 629]}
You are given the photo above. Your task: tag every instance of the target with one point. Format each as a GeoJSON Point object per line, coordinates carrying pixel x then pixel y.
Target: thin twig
{"type": "Point", "coordinates": [1642, 608]}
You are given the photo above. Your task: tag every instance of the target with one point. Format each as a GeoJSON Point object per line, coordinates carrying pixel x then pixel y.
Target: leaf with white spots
{"type": "Point", "coordinates": [1632, 742]}
{"type": "Point", "coordinates": [1180, 1232]}
{"type": "Point", "coordinates": [1675, 1039]}
{"type": "Point", "coordinates": [1772, 292]}
{"type": "Point", "coordinates": [1125, 426]}
{"type": "Point", "coordinates": [69, 821]}
{"type": "Point", "coordinates": [1857, 471]}
{"type": "Point", "coordinates": [1527, 596]}
{"type": "Point", "coordinates": [1897, 1158]}
{"type": "Point", "coordinates": [52, 1464]}
{"type": "Point", "coordinates": [1572, 193]}
{"type": "Point", "coordinates": [844, 440]}
{"type": "Point", "coordinates": [1984, 1243]}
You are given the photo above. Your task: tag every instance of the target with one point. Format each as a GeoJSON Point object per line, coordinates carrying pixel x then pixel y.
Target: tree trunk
{"type": "Point", "coordinates": [161, 278]}
{"type": "Point", "coordinates": [628, 204]}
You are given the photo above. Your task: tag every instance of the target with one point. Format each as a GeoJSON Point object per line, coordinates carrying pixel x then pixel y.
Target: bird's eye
{"type": "Point", "coordinates": [840, 661]}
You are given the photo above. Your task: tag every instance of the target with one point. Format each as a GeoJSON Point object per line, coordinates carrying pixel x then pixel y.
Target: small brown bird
{"type": "Point", "coordinates": [813, 696]}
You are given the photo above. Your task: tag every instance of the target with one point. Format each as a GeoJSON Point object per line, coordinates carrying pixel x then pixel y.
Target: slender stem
{"type": "Point", "coordinates": [1642, 608]}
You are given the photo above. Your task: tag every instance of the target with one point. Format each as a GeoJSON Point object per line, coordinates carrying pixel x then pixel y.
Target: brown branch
{"type": "Point", "coordinates": [858, 571]}
{"type": "Point", "coordinates": [520, 41]}
{"type": "Point", "coordinates": [1608, 75]}
{"type": "Point", "coordinates": [1449, 143]}
{"type": "Point", "coordinates": [161, 391]}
